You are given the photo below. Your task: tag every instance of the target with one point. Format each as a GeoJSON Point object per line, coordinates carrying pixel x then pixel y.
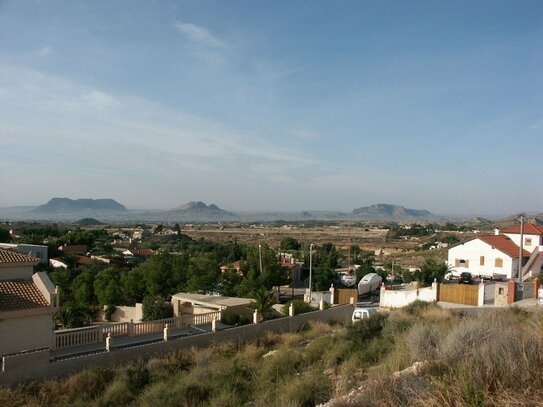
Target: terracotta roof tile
{"type": "Point", "coordinates": [529, 229]}
{"type": "Point", "coordinates": [503, 244]}
{"type": "Point", "coordinates": [17, 295]}
{"type": "Point", "coordinates": [12, 256]}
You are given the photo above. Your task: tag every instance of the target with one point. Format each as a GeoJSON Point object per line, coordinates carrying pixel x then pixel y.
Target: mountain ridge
{"type": "Point", "coordinates": [67, 205]}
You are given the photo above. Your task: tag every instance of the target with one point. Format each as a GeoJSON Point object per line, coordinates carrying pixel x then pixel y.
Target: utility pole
{"type": "Point", "coordinates": [310, 269]}
{"type": "Point", "coordinates": [260, 255]}
{"type": "Point", "coordinates": [521, 248]}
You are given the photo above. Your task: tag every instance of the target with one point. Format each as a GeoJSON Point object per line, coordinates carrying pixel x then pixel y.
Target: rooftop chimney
{"type": "Point", "coordinates": [496, 231]}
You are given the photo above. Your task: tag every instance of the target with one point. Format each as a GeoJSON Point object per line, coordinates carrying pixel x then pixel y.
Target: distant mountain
{"type": "Point", "coordinates": [199, 212]}
{"type": "Point", "coordinates": [66, 205]}
{"type": "Point", "coordinates": [88, 222]}
{"type": "Point", "coordinates": [388, 212]}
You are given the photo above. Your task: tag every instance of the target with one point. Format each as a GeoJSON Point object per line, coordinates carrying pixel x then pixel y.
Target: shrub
{"type": "Point", "coordinates": [156, 308]}
{"type": "Point", "coordinates": [364, 330]}
{"type": "Point", "coordinates": [309, 389]}
{"type": "Point", "coordinates": [117, 393]}
{"type": "Point", "coordinates": [137, 377]}
{"type": "Point", "coordinates": [110, 310]}
{"type": "Point", "coordinates": [88, 384]}
{"type": "Point", "coordinates": [300, 307]}
{"type": "Point", "coordinates": [234, 319]}
{"type": "Point", "coordinates": [416, 307]}
{"type": "Point", "coordinates": [422, 341]}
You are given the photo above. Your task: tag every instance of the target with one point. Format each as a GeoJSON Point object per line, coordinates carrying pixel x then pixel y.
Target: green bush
{"type": "Point", "coordinates": [156, 308]}
{"type": "Point", "coordinates": [234, 319]}
{"type": "Point", "coordinates": [300, 307]}
{"type": "Point", "coordinates": [366, 329]}
{"type": "Point", "coordinates": [416, 307]}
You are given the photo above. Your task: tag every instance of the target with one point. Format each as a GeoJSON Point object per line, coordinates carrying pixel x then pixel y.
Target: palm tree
{"type": "Point", "coordinates": [263, 300]}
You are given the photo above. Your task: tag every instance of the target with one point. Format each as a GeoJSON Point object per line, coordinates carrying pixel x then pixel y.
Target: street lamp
{"type": "Point", "coordinates": [310, 269]}
{"type": "Point", "coordinates": [521, 248]}
{"type": "Point", "coordinates": [260, 257]}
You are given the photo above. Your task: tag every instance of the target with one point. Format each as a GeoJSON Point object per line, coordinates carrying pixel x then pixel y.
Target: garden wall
{"type": "Point", "coordinates": [37, 365]}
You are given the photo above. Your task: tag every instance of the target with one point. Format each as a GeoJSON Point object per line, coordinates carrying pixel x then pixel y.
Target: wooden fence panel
{"type": "Point", "coordinates": [459, 293]}
{"type": "Point", "coordinates": [343, 295]}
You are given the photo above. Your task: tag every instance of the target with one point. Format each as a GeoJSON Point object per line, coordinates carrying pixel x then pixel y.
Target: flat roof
{"type": "Point", "coordinates": [212, 300]}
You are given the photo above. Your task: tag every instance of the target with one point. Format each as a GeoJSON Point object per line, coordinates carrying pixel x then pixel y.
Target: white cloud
{"type": "Point", "coordinates": [127, 134]}
{"type": "Point", "coordinates": [199, 35]}
{"type": "Point", "coordinates": [44, 51]}
{"type": "Point", "coordinates": [303, 133]}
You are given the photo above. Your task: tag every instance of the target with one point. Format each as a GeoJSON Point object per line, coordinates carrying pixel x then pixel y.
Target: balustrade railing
{"type": "Point", "coordinates": [65, 338]}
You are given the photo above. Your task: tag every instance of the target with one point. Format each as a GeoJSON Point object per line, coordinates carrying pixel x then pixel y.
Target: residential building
{"type": "Point", "coordinates": [499, 254]}
{"type": "Point", "coordinates": [35, 250]}
{"type": "Point", "coordinates": [27, 304]}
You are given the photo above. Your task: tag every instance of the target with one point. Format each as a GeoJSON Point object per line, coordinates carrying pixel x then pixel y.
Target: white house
{"type": "Point", "coordinates": [27, 304]}
{"type": "Point", "coordinates": [498, 254]}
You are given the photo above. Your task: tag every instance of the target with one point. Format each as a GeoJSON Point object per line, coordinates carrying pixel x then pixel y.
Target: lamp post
{"type": "Point", "coordinates": [521, 248]}
{"type": "Point", "coordinates": [260, 256]}
{"type": "Point", "coordinates": [310, 269]}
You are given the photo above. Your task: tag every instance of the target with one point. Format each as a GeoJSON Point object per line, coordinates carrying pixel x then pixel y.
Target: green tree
{"type": "Point", "coordinates": [4, 236]}
{"type": "Point", "coordinates": [107, 286]}
{"type": "Point", "coordinates": [82, 288]}
{"type": "Point", "coordinates": [263, 300]}
{"type": "Point", "coordinates": [133, 288]}
{"type": "Point", "coordinates": [323, 277]}
{"type": "Point", "coordinates": [62, 278]}
{"type": "Point", "coordinates": [203, 272]}
{"type": "Point", "coordinates": [156, 307]}
{"type": "Point", "coordinates": [289, 243]}
{"type": "Point", "coordinates": [229, 282]}
{"type": "Point", "coordinates": [429, 271]}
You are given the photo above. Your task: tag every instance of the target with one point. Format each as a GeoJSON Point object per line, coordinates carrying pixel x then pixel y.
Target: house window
{"type": "Point", "coordinates": [461, 263]}
{"type": "Point", "coordinates": [482, 261]}
{"type": "Point", "coordinates": [501, 291]}
{"type": "Point", "coordinates": [498, 263]}
{"type": "Point", "coordinates": [528, 241]}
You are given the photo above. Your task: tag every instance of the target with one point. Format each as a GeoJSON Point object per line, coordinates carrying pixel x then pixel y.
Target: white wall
{"type": "Point", "coordinates": [472, 251]}
{"type": "Point", "coordinates": [536, 241]}
{"type": "Point", "coordinates": [401, 298]}
{"type": "Point", "coordinates": [26, 333]}
{"type": "Point", "coordinates": [127, 314]}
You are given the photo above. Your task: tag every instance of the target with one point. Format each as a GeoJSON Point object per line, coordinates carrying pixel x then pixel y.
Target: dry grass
{"type": "Point", "coordinates": [491, 360]}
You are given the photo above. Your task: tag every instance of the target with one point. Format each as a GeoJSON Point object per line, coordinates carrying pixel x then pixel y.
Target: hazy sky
{"type": "Point", "coordinates": [274, 105]}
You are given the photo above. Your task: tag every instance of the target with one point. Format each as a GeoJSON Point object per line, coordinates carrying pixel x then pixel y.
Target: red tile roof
{"type": "Point", "coordinates": [142, 252]}
{"type": "Point", "coordinates": [503, 244]}
{"type": "Point", "coordinates": [20, 294]}
{"type": "Point", "coordinates": [84, 260]}
{"type": "Point", "coordinates": [12, 256]}
{"type": "Point", "coordinates": [529, 229]}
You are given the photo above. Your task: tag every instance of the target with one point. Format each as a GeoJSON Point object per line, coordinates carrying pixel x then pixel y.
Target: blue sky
{"type": "Point", "coordinates": [276, 105]}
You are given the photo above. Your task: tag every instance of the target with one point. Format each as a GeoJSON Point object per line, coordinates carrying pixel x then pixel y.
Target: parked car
{"type": "Point", "coordinates": [362, 313]}
{"type": "Point", "coordinates": [452, 275]}
{"type": "Point", "coordinates": [465, 278]}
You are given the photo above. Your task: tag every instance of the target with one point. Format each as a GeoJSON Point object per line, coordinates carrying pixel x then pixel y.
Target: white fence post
{"type": "Point", "coordinates": [109, 342]}
{"type": "Point", "coordinates": [214, 325]}
{"type": "Point", "coordinates": [255, 317]}
{"type": "Point", "coordinates": [321, 304]}
{"type": "Point", "coordinates": [166, 332]}
{"type": "Point", "coordinates": [291, 310]}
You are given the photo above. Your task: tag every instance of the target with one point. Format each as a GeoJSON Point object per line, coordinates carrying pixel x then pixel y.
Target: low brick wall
{"type": "Point", "coordinates": [37, 365]}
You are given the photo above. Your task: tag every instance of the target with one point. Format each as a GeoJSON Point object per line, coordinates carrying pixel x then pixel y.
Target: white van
{"type": "Point", "coordinates": [362, 313]}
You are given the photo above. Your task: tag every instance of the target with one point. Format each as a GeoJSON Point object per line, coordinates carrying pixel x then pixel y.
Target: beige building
{"type": "Point", "coordinates": [27, 304]}
{"type": "Point", "coordinates": [193, 304]}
